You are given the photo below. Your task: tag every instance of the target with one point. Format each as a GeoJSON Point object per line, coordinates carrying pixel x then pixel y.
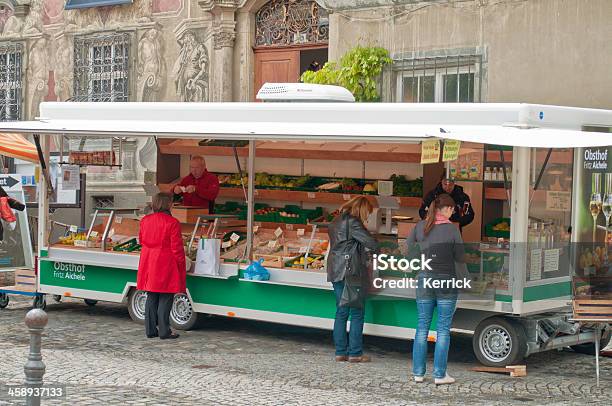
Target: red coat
{"type": "Point", "coordinates": [207, 189]}
{"type": "Point", "coordinates": [162, 259]}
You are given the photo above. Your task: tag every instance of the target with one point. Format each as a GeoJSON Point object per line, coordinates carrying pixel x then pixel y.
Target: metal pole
{"type": "Point", "coordinates": [34, 369]}
{"type": "Point", "coordinates": [597, 332]}
{"type": "Point", "coordinates": [250, 198]}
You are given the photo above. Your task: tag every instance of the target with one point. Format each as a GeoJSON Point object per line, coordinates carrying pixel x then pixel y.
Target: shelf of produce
{"type": "Point", "coordinates": [297, 196]}
{"type": "Point", "coordinates": [344, 151]}
{"type": "Point", "coordinates": [314, 197]}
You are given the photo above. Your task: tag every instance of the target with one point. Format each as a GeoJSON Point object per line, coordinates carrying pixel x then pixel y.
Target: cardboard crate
{"type": "Point", "coordinates": [186, 214]}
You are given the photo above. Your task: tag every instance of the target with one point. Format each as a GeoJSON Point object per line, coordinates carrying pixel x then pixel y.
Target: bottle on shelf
{"type": "Point", "coordinates": [487, 174]}
{"type": "Point", "coordinates": [494, 174]}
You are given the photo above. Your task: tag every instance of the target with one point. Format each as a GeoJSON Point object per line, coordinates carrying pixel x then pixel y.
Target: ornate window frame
{"type": "Point", "coordinates": [11, 81]}
{"type": "Point", "coordinates": [102, 67]}
{"type": "Point", "coordinates": [280, 23]}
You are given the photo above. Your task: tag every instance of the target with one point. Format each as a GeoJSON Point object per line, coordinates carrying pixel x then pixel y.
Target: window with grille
{"type": "Point", "coordinates": [101, 68]}
{"type": "Point", "coordinates": [10, 82]}
{"type": "Point", "coordinates": [102, 202]}
{"type": "Point", "coordinates": [438, 79]}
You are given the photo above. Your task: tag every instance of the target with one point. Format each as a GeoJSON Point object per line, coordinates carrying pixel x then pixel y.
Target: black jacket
{"type": "Point", "coordinates": [16, 205]}
{"type": "Point", "coordinates": [460, 199]}
{"type": "Point", "coordinates": [355, 247]}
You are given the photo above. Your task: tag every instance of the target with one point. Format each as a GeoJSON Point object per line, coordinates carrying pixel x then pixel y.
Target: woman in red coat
{"type": "Point", "coordinates": [161, 271]}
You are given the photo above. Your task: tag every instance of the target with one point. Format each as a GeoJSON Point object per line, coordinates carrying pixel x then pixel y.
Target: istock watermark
{"type": "Point", "coordinates": [384, 262]}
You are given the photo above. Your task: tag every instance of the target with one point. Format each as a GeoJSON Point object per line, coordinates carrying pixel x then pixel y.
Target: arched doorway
{"type": "Point", "coordinates": [291, 36]}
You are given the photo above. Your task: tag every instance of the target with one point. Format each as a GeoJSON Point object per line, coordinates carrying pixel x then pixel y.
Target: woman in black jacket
{"type": "Point", "coordinates": [348, 258]}
{"type": "Point", "coordinates": [12, 203]}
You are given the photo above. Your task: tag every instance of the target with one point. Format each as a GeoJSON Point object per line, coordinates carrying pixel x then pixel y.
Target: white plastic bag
{"type": "Point", "coordinates": [208, 261]}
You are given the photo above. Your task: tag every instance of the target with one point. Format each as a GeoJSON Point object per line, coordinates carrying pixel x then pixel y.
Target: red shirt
{"type": "Point", "coordinates": [207, 189]}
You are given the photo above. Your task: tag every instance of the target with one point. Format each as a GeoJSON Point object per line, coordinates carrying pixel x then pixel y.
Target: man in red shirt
{"type": "Point", "coordinates": [200, 187]}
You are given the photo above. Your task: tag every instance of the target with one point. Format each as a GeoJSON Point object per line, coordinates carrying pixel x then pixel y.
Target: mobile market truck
{"type": "Point", "coordinates": [529, 170]}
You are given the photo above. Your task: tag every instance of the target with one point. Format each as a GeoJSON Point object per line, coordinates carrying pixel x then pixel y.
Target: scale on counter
{"type": "Point", "coordinates": [385, 205]}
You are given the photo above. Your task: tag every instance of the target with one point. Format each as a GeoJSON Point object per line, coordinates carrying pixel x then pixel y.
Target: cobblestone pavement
{"type": "Point", "coordinates": [102, 357]}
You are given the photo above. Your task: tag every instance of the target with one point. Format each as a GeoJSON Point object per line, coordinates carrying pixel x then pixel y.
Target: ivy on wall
{"type": "Point", "coordinates": [358, 71]}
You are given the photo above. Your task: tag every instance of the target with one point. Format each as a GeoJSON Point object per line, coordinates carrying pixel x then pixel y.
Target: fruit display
{"type": "Point", "coordinates": [503, 226]}
{"type": "Point", "coordinates": [72, 237]}
{"type": "Point", "coordinates": [402, 186]}
{"type": "Point", "coordinates": [593, 261]}
{"type": "Point", "coordinates": [314, 262]}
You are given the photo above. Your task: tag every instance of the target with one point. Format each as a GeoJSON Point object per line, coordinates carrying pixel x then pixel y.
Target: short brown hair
{"type": "Point", "coordinates": [358, 206]}
{"type": "Point", "coordinates": [161, 202]}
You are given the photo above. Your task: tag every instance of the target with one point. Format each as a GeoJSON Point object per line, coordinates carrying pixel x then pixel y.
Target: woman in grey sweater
{"type": "Point", "coordinates": [440, 241]}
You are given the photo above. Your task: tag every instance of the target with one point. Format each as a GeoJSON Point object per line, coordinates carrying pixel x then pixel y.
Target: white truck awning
{"type": "Point", "coordinates": [491, 123]}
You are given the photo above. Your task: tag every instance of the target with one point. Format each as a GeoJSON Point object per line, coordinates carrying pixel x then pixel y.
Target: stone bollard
{"type": "Point", "coordinates": [36, 320]}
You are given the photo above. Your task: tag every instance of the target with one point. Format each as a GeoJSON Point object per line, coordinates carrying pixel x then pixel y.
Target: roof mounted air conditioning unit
{"type": "Point", "coordinates": [303, 92]}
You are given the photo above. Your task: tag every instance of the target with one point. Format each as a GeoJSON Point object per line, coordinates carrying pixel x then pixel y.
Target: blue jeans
{"type": "Point", "coordinates": [351, 344]}
{"type": "Point", "coordinates": [425, 308]}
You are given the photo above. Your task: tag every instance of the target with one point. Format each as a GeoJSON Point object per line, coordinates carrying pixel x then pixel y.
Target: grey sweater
{"type": "Point", "coordinates": [443, 245]}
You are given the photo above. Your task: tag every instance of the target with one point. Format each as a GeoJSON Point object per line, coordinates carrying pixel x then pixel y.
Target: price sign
{"type": "Point", "coordinates": [74, 229]}
{"type": "Point", "coordinates": [311, 195]}
{"type": "Point", "coordinates": [93, 234]}
{"type": "Point", "coordinates": [346, 197]}
{"type": "Point", "coordinates": [430, 152]}
{"type": "Point", "coordinates": [226, 244]}
{"type": "Point", "coordinates": [300, 232]}
{"type": "Point", "coordinates": [278, 232]}
{"type": "Point", "coordinates": [234, 237]}
{"type": "Point", "coordinates": [272, 244]}
{"type": "Point", "coordinates": [118, 219]}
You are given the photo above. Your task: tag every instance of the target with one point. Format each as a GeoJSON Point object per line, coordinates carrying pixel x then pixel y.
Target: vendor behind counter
{"type": "Point", "coordinates": [200, 188]}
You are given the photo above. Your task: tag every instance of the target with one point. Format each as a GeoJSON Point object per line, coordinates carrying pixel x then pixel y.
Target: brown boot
{"type": "Point", "coordinates": [341, 358]}
{"type": "Point", "coordinates": [361, 358]}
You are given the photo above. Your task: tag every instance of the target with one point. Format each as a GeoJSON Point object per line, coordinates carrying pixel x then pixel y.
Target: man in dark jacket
{"type": "Point", "coordinates": [464, 213]}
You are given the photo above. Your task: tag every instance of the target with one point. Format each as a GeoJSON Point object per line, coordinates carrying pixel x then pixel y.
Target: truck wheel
{"type": "Point", "coordinates": [40, 302]}
{"type": "Point", "coordinates": [57, 298]}
{"type": "Point", "coordinates": [182, 316]}
{"type": "Point", "coordinates": [4, 300]}
{"type": "Point", "coordinates": [499, 342]}
{"type": "Point", "coordinates": [90, 302]}
{"type": "Point", "coordinates": [136, 305]}
{"type": "Point", "coordinates": [589, 348]}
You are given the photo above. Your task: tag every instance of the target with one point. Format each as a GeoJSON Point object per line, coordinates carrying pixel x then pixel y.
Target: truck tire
{"type": "Point", "coordinates": [499, 342]}
{"type": "Point", "coordinates": [4, 300]}
{"type": "Point", "coordinates": [90, 302]}
{"type": "Point", "coordinates": [57, 298]}
{"type": "Point", "coordinates": [136, 305]}
{"type": "Point", "coordinates": [182, 315]}
{"type": "Point", "coordinates": [589, 348]}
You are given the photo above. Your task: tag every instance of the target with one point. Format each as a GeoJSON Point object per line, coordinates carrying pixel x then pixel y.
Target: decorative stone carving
{"type": "Point", "coordinates": [151, 66]}
{"type": "Point", "coordinates": [139, 12]}
{"type": "Point", "coordinates": [33, 21]}
{"type": "Point", "coordinates": [224, 39]}
{"type": "Point", "coordinates": [64, 72]}
{"type": "Point", "coordinates": [191, 69]}
{"type": "Point", "coordinates": [82, 18]}
{"type": "Point", "coordinates": [38, 74]}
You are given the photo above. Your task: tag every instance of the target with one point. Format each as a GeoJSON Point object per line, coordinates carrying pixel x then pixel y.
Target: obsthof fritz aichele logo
{"type": "Point", "coordinates": [596, 158]}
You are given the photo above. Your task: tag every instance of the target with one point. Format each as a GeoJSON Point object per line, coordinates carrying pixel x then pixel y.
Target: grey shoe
{"type": "Point", "coordinates": [419, 379]}
{"type": "Point", "coordinates": [447, 380]}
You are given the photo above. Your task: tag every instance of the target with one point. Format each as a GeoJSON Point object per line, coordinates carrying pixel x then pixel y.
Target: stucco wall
{"type": "Point", "coordinates": [538, 51]}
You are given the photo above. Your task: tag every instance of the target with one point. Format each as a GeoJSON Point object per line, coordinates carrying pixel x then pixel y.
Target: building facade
{"type": "Point", "coordinates": [537, 51]}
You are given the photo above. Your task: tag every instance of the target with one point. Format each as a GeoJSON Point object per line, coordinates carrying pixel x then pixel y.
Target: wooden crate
{"type": "Point", "coordinates": [186, 214]}
{"type": "Point", "coordinates": [592, 309]}
{"type": "Point", "coordinates": [272, 261]}
{"type": "Point", "coordinates": [7, 278]}
{"type": "Point", "coordinates": [25, 279]}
